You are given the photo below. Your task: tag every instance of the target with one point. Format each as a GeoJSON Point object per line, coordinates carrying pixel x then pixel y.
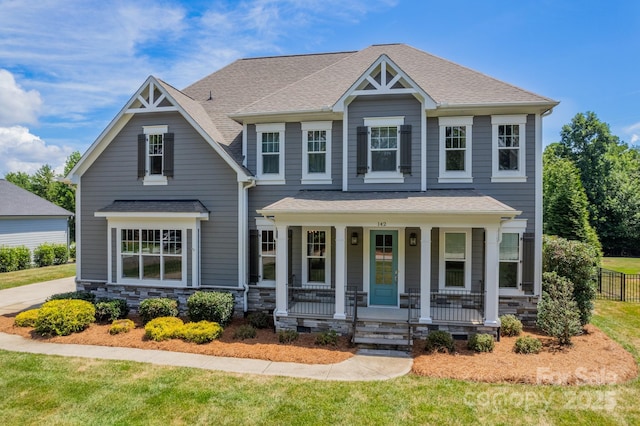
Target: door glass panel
{"type": "Point", "coordinates": [384, 260]}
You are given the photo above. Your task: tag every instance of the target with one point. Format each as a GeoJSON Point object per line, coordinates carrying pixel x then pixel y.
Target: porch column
{"type": "Point", "coordinates": [425, 275]}
{"type": "Point", "coordinates": [492, 268]}
{"type": "Point", "coordinates": [282, 280]}
{"type": "Point", "coordinates": [341, 271]}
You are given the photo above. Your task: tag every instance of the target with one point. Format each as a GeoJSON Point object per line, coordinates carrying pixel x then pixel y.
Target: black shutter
{"type": "Point", "coordinates": [362, 151]}
{"type": "Point", "coordinates": [405, 148]}
{"type": "Point", "coordinates": [142, 155]}
{"type": "Point", "coordinates": [254, 256]}
{"type": "Point", "coordinates": [528, 260]}
{"type": "Point", "coordinates": [167, 141]}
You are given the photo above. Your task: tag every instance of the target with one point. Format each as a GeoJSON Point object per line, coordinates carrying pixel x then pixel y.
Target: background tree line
{"type": "Point", "coordinates": [45, 183]}
{"type": "Point", "coordinates": [592, 187]}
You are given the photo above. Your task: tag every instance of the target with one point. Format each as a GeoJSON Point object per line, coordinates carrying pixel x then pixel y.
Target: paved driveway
{"type": "Point", "coordinates": [20, 298]}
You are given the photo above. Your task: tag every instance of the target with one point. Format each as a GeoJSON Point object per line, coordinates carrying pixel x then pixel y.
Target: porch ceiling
{"type": "Point", "coordinates": [432, 202]}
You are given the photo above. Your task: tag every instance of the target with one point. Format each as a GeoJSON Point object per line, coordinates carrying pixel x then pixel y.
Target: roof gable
{"type": "Point", "coordinates": [156, 96]}
{"type": "Point", "coordinates": [17, 201]}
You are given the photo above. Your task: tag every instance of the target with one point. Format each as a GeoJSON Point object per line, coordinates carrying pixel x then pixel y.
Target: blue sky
{"type": "Point", "coordinates": [68, 67]}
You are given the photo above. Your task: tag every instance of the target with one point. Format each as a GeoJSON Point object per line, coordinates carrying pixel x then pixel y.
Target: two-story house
{"type": "Point", "coordinates": [384, 184]}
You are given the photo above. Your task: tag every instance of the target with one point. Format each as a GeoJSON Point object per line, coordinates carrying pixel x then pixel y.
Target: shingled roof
{"type": "Point", "coordinates": [20, 202]}
{"type": "Point", "coordinates": [314, 83]}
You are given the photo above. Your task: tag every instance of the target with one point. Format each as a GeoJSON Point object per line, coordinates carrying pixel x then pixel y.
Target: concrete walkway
{"type": "Point", "coordinates": [357, 368]}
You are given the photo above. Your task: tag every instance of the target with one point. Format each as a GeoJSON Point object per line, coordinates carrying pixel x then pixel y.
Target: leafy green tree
{"type": "Point", "coordinates": [21, 179]}
{"type": "Point", "coordinates": [565, 201]}
{"type": "Point", "coordinates": [43, 183]}
{"type": "Point", "coordinates": [578, 262]}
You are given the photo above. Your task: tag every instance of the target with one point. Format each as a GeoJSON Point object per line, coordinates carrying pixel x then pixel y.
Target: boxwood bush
{"type": "Point", "coordinates": [439, 341]}
{"type": "Point", "coordinates": [481, 342]}
{"type": "Point", "coordinates": [108, 310]}
{"type": "Point", "coordinates": [156, 308]}
{"type": "Point", "coordinates": [27, 318]}
{"type": "Point", "coordinates": [259, 320]}
{"type": "Point", "coordinates": [163, 328]}
{"type": "Point", "coordinates": [43, 255]}
{"type": "Point", "coordinates": [288, 336]}
{"type": "Point", "coordinates": [328, 337]}
{"type": "Point", "coordinates": [60, 254]}
{"type": "Point", "coordinates": [245, 331]}
{"type": "Point", "coordinates": [212, 306]}
{"type": "Point", "coordinates": [527, 345]}
{"type": "Point", "coordinates": [200, 332]}
{"type": "Point", "coordinates": [510, 325]}
{"type": "Point", "coordinates": [63, 317]}
{"type": "Point", "coordinates": [14, 258]}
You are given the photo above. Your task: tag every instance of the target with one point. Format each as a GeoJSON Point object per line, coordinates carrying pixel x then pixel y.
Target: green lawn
{"type": "Point", "coordinates": [627, 265]}
{"type": "Point", "coordinates": [36, 275]}
{"type": "Point", "coordinates": [70, 391]}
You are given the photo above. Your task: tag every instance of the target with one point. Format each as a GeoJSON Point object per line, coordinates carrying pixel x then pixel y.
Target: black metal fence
{"type": "Point", "coordinates": [457, 306]}
{"type": "Point", "coordinates": [614, 285]}
{"type": "Point", "coordinates": [312, 300]}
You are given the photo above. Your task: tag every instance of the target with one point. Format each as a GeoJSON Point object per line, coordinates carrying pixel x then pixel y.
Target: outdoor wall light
{"type": "Point", "coordinates": [354, 238]}
{"type": "Point", "coordinates": [413, 239]}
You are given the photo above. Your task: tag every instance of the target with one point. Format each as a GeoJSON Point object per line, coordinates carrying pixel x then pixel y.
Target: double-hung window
{"type": "Point", "coordinates": [155, 155]}
{"type": "Point", "coordinates": [270, 153]}
{"type": "Point", "coordinates": [455, 149]}
{"type": "Point", "coordinates": [267, 256]}
{"type": "Point", "coordinates": [383, 147]}
{"type": "Point", "coordinates": [455, 259]}
{"type": "Point", "coordinates": [511, 251]}
{"type": "Point", "coordinates": [316, 264]}
{"type": "Point", "coordinates": [509, 147]}
{"type": "Point", "coordinates": [316, 152]}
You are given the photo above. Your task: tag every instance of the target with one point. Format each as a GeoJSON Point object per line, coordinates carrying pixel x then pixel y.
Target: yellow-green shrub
{"type": "Point", "coordinates": [63, 317]}
{"type": "Point", "coordinates": [200, 332]}
{"type": "Point", "coordinates": [27, 318]}
{"type": "Point", "coordinates": [163, 328]}
{"type": "Point", "coordinates": [121, 326]}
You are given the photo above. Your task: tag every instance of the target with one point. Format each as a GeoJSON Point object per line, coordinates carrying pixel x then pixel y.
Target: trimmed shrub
{"type": "Point", "coordinates": [439, 341]}
{"type": "Point", "coordinates": [558, 314]}
{"type": "Point", "coordinates": [108, 310]}
{"type": "Point", "coordinates": [87, 296]}
{"type": "Point", "coordinates": [288, 336]}
{"type": "Point", "coordinates": [14, 258]}
{"type": "Point", "coordinates": [43, 255]}
{"type": "Point", "coordinates": [72, 250]}
{"type": "Point", "coordinates": [510, 325]}
{"type": "Point", "coordinates": [121, 326]}
{"type": "Point", "coordinates": [481, 342]}
{"type": "Point", "coordinates": [245, 331]}
{"type": "Point", "coordinates": [578, 262]}
{"type": "Point", "coordinates": [527, 345]}
{"type": "Point", "coordinates": [63, 317]}
{"type": "Point", "coordinates": [328, 337]}
{"type": "Point", "coordinates": [212, 306]}
{"type": "Point", "coordinates": [259, 320]}
{"type": "Point", "coordinates": [27, 318]}
{"type": "Point", "coordinates": [60, 254]}
{"type": "Point", "coordinates": [200, 332]}
{"type": "Point", "coordinates": [157, 308]}
{"type": "Point", "coordinates": [163, 328]}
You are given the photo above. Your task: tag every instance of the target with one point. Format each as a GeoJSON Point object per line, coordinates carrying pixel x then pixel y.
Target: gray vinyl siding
{"type": "Point", "coordinates": [31, 232]}
{"type": "Point", "coordinates": [435, 256]}
{"type": "Point", "coordinates": [385, 106]}
{"type": "Point", "coordinates": [412, 260]}
{"type": "Point", "coordinates": [519, 195]}
{"type": "Point", "coordinates": [354, 259]}
{"type": "Point", "coordinates": [477, 259]}
{"type": "Point", "coordinates": [199, 173]}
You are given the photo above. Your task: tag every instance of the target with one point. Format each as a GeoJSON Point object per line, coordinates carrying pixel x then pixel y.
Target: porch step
{"type": "Point", "coordinates": [380, 341]}
{"type": "Point", "coordinates": [380, 334]}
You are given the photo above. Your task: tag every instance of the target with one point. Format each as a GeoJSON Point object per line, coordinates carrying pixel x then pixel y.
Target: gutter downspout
{"type": "Point", "coordinates": [244, 227]}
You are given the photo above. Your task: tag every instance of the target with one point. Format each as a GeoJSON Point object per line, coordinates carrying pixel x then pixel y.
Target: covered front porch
{"type": "Point", "coordinates": [424, 258]}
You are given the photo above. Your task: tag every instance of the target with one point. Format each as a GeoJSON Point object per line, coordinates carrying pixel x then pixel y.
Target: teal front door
{"type": "Point", "coordinates": [383, 286]}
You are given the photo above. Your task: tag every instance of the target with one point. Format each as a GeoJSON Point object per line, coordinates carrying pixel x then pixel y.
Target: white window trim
{"type": "Point", "coordinates": [466, 175]}
{"type": "Point", "coordinates": [508, 175]}
{"type": "Point", "coordinates": [153, 179]}
{"type": "Point", "coordinates": [327, 257]}
{"type": "Point", "coordinates": [383, 177]}
{"type": "Point", "coordinates": [270, 178]}
{"type": "Point", "coordinates": [467, 260]}
{"type": "Point", "coordinates": [316, 178]}
{"type": "Point", "coordinates": [263, 224]}
{"type": "Point", "coordinates": [515, 226]}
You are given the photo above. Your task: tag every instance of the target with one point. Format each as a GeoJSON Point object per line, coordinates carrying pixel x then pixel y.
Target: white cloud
{"type": "Point", "coordinates": [21, 151]}
{"type": "Point", "coordinates": [632, 132]}
{"type": "Point", "coordinates": [17, 106]}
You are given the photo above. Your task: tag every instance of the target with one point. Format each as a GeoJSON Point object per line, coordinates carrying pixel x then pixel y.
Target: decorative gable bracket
{"type": "Point", "coordinates": [383, 77]}
{"type": "Point", "coordinates": [151, 98]}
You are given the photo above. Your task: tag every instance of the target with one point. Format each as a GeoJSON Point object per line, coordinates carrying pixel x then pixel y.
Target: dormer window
{"type": "Point", "coordinates": [155, 155]}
